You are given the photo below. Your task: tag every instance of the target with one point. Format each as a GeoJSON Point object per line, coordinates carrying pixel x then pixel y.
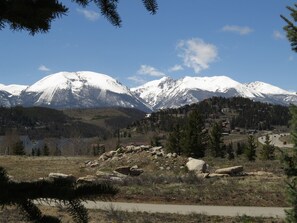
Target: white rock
{"type": "Point", "coordinates": [196, 165]}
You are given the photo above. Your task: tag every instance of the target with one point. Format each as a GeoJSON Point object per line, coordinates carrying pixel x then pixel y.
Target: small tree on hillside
{"type": "Point", "coordinates": [215, 140]}
{"type": "Point", "coordinates": [174, 142]}
{"type": "Point", "coordinates": [45, 150]}
{"type": "Point", "coordinates": [230, 151]}
{"type": "Point", "coordinates": [267, 151]}
{"type": "Point", "coordinates": [195, 140]}
{"type": "Point", "coordinates": [18, 148]}
{"type": "Point", "coordinates": [240, 148]}
{"type": "Point", "coordinates": [250, 149]}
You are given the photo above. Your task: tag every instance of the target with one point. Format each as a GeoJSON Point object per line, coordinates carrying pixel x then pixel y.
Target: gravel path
{"type": "Point", "coordinates": [278, 212]}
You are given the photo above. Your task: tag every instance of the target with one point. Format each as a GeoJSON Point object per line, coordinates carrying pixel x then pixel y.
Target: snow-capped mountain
{"type": "Point", "coordinates": [86, 89]}
{"type": "Point", "coordinates": [9, 94]}
{"type": "Point", "coordinates": [78, 90]}
{"type": "Point", "coordinates": [71, 90]}
{"type": "Point", "coordinates": [169, 93]}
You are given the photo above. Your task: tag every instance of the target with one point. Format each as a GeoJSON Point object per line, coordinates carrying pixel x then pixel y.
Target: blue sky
{"type": "Point", "coordinates": [242, 39]}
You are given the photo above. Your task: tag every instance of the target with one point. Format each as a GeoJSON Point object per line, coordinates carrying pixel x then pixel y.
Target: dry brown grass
{"type": "Point", "coordinates": [167, 186]}
{"type": "Point", "coordinates": [30, 168]}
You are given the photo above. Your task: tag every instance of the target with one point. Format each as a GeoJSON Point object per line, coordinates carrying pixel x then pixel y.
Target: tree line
{"type": "Point", "coordinates": [195, 140]}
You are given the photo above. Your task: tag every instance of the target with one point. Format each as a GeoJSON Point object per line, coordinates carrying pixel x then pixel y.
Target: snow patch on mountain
{"type": "Point", "coordinates": [13, 89]}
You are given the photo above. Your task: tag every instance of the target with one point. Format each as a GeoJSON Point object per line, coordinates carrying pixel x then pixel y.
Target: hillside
{"type": "Point", "coordinates": [40, 122]}
{"type": "Point", "coordinates": [237, 112]}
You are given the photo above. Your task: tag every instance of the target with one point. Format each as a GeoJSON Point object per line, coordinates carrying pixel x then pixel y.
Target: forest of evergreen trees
{"type": "Point", "coordinates": [240, 112]}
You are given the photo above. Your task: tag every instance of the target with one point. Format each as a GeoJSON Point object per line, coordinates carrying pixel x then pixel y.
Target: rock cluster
{"type": "Point", "coordinates": [121, 152]}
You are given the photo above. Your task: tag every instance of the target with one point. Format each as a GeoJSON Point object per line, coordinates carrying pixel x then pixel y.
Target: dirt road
{"type": "Point", "coordinates": [275, 140]}
{"type": "Point", "coordinates": [187, 209]}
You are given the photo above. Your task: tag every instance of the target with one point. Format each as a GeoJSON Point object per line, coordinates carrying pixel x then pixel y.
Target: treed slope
{"type": "Point", "coordinates": [41, 122]}
{"type": "Point", "coordinates": [237, 111]}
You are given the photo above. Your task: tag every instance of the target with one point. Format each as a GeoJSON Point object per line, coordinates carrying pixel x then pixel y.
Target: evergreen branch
{"type": "Point", "coordinates": [33, 213]}
{"type": "Point", "coordinates": [63, 191]}
{"type": "Point", "coordinates": [151, 6]}
{"type": "Point", "coordinates": [89, 191]}
{"type": "Point", "coordinates": [83, 3]}
{"type": "Point", "coordinates": [32, 15]}
{"type": "Point", "coordinates": [78, 212]}
{"type": "Point", "coordinates": [109, 10]}
{"type": "Point", "coordinates": [30, 210]}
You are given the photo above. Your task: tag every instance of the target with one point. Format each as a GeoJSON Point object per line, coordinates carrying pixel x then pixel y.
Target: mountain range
{"type": "Point", "coordinates": [87, 89]}
{"type": "Point", "coordinates": [170, 93]}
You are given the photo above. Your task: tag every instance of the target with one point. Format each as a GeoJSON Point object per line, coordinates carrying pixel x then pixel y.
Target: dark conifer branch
{"type": "Point", "coordinates": [36, 16]}
{"type": "Point", "coordinates": [65, 191]}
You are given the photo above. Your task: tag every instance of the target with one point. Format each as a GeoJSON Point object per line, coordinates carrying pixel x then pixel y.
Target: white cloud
{"type": "Point", "coordinates": [278, 35]}
{"type": "Point", "coordinates": [149, 70]}
{"type": "Point", "coordinates": [241, 30]}
{"type": "Point", "coordinates": [137, 79]}
{"type": "Point", "coordinates": [175, 68]}
{"type": "Point", "coordinates": [197, 54]}
{"type": "Point", "coordinates": [89, 14]}
{"type": "Point", "coordinates": [291, 58]}
{"type": "Point", "coordinates": [43, 68]}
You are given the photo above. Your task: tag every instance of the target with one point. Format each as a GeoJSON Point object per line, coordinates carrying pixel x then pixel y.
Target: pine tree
{"type": "Point", "coordinates": [195, 140]}
{"type": "Point", "coordinates": [240, 148]}
{"type": "Point", "coordinates": [267, 151]}
{"type": "Point", "coordinates": [291, 28]}
{"type": "Point", "coordinates": [230, 151]}
{"type": "Point", "coordinates": [290, 167]}
{"type": "Point", "coordinates": [18, 148]}
{"type": "Point", "coordinates": [215, 140]}
{"type": "Point", "coordinates": [174, 142]}
{"type": "Point", "coordinates": [45, 150]}
{"type": "Point", "coordinates": [38, 153]}
{"type": "Point", "coordinates": [250, 148]}
{"type": "Point", "coordinates": [290, 161]}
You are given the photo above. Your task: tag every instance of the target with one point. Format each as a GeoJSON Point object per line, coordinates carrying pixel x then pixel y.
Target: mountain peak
{"type": "Point", "coordinates": [266, 88]}
{"type": "Point", "coordinates": [77, 80]}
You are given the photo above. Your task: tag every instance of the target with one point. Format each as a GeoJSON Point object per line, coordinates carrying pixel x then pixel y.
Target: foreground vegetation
{"type": "Point", "coordinates": [167, 186]}
{"type": "Point", "coordinates": [10, 214]}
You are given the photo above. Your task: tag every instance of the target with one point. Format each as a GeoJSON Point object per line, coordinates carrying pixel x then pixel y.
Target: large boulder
{"type": "Point", "coordinates": [196, 165]}
{"type": "Point", "coordinates": [87, 179]}
{"type": "Point", "coordinates": [61, 177]}
{"type": "Point", "coordinates": [129, 171]}
{"type": "Point", "coordinates": [233, 170]}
